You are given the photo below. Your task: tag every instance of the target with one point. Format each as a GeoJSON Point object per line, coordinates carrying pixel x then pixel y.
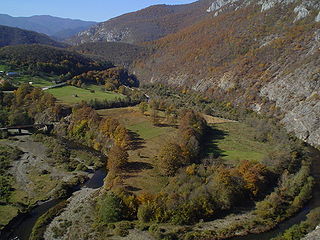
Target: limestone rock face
{"type": "Point", "coordinates": [318, 18]}
{"type": "Point", "coordinates": [301, 11]}
{"type": "Point", "coordinates": [217, 5]}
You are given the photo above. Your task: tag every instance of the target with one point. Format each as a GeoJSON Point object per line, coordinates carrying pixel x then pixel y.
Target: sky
{"type": "Point", "coordinates": [93, 10]}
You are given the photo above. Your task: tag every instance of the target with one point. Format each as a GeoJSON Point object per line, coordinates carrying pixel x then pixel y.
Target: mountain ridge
{"type": "Point", "coordinates": [17, 36]}
{"type": "Point", "coordinates": [260, 55]}
{"type": "Point", "coordinates": [148, 24]}
{"type": "Point", "coordinates": [49, 25]}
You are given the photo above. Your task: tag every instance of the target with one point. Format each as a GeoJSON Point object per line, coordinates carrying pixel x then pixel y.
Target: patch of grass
{"type": "Point", "coordinates": [5, 68]}
{"type": "Point", "coordinates": [71, 94]}
{"type": "Point", "coordinates": [37, 81]}
{"type": "Point", "coordinates": [146, 130]}
{"type": "Point", "coordinates": [234, 142]}
{"type": "Point", "coordinates": [7, 212]}
{"type": "Point", "coordinates": [143, 169]}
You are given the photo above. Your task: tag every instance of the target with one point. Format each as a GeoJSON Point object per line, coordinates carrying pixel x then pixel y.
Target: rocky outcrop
{"type": "Point", "coordinates": [219, 4]}
{"type": "Point", "coordinates": [318, 18]}
{"type": "Point", "coordinates": [314, 235]}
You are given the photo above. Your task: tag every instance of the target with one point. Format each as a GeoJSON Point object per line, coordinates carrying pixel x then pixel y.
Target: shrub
{"type": "Point", "coordinates": [110, 208]}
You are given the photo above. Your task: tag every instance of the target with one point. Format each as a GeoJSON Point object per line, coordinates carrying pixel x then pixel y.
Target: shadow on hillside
{"type": "Point", "coordinates": [211, 149]}
{"type": "Point", "coordinates": [132, 189]}
{"type": "Point", "coordinates": [166, 125]}
{"type": "Point", "coordinates": [132, 167]}
{"type": "Point", "coordinates": [137, 141]}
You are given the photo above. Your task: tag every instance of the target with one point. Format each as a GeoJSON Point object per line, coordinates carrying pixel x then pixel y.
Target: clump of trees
{"type": "Point", "coordinates": [201, 192]}
{"type": "Point", "coordinates": [111, 79]}
{"type": "Point", "coordinates": [185, 148]}
{"type": "Point", "coordinates": [25, 105]}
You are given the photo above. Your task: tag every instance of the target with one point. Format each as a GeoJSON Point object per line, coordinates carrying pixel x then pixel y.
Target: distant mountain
{"type": "Point", "coordinates": [58, 28]}
{"type": "Point", "coordinates": [145, 25]}
{"type": "Point", "coordinates": [15, 36]}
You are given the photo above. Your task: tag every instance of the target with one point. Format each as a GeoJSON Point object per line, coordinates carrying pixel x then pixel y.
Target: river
{"type": "Point", "coordinates": [301, 215]}
{"type": "Point", "coordinates": [21, 227]}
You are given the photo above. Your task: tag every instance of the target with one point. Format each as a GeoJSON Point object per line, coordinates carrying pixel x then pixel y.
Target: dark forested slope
{"type": "Point", "coordinates": [14, 36]}
{"type": "Point", "coordinates": [116, 52]}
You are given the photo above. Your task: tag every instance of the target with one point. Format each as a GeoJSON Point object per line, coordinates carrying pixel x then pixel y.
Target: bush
{"type": "Point", "coordinates": [145, 213]}
{"type": "Point", "coordinates": [110, 208]}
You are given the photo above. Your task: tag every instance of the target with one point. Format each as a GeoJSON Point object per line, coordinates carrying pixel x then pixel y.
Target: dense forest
{"type": "Point", "coordinates": [122, 54]}
{"type": "Point", "coordinates": [15, 36]}
{"type": "Point", "coordinates": [39, 58]}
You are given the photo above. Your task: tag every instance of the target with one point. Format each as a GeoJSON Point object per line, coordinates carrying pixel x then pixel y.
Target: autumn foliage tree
{"type": "Point", "coordinates": [170, 158]}
{"type": "Point", "coordinates": [117, 158]}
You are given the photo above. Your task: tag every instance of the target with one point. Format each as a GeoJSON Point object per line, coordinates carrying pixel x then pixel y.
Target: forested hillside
{"type": "Point", "coordinates": [145, 25]}
{"type": "Point", "coordinates": [40, 58]}
{"type": "Point", "coordinates": [116, 52]}
{"type": "Point", "coordinates": [14, 36]}
{"type": "Point", "coordinates": [263, 57]}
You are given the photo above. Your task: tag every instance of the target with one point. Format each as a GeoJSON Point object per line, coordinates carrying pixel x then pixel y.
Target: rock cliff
{"type": "Point", "coordinates": [264, 55]}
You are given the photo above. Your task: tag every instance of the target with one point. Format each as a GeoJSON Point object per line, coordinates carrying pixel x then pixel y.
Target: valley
{"type": "Point", "coordinates": [176, 122]}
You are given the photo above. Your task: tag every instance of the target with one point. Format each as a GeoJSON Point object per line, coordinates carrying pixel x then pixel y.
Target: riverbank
{"type": "Point", "coordinates": [37, 178]}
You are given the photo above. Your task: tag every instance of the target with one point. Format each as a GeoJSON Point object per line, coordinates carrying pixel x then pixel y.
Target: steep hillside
{"type": "Point", "coordinates": [145, 25]}
{"type": "Point", "coordinates": [14, 36]}
{"type": "Point", "coordinates": [59, 28]}
{"type": "Point", "coordinates": [116, 52]}
{"type": "Point", "coordinates": [263, 55]}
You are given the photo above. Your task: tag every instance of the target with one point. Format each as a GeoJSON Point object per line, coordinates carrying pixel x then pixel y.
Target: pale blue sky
{"type": "Point", "coordinates": [95, 10]}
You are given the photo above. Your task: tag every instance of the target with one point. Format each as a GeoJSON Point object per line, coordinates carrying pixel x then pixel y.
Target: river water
{"type": "Point", "coordinates": [21, 227]}
{"type": "Point", "coordinates": [301, 215]}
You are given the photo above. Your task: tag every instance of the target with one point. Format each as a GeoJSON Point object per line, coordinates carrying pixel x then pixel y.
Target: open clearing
{"type": "Point", "coordinates": [143, 174]}
{"type": "Point", "coordinates": [37, 81]}
{"type": "Point", "coordinates": [71, 94]}
{"type": "Point", "coordinates": [235, 141]}
{"type": "Point", "coordinates": [232, 141]}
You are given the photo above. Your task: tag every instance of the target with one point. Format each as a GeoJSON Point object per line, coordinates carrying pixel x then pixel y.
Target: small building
{"type": "Point", "coordinates": [12, 74]}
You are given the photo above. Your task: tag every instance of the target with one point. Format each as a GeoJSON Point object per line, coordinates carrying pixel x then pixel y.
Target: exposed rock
{"type": "Point", "coordinates": [302, 12]}
{"type": "Point", "coordinates": [268, 4]}
{"type": "Point", "coordinates": [314, 235]}
{"type": "Point", "coordinates": [217, 5]}
{"type": "Point", "coordinates": [318, 18]}
{"type": "Point", "coordinates": [227, 82]}
{"type": "Point", "coordinates": [299, 99]}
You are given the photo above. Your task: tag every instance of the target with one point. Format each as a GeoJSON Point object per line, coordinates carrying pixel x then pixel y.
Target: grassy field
{"type": "Point", "coordinates": [143, 174]}
{"type": "Point", "coordinates": [71, 94]}
{"type": "Point", "coordinates": [234, 142]}
{"type": "Point", "coordinates": [37, 81]}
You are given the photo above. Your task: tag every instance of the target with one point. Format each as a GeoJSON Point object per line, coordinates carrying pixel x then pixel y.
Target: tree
{"type": "Point", "coordinates": [171, 159]}
{"type": "Point", "coordinates": [143, 106]}
{"type": "Point", "coordinates": [254, 176]}
{"type": "Point", "coordinates": [117, 158]}
{"type": "Point", "coordinates": [110, 208]}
